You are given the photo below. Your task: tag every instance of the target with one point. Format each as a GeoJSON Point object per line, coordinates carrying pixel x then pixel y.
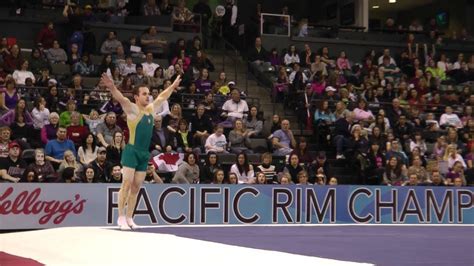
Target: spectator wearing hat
{"type": "Point", "coordinates": [101, 166]}
{"type": "Point", "coordinates": [55, 148]}
{"type": "Point", "coordinates": [12, 167]}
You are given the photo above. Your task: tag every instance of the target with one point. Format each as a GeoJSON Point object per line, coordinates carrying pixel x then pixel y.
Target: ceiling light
{"type": "Point", "coordinates": [392, 1]}
{"type": "Point", "coordinates": [375, 7]}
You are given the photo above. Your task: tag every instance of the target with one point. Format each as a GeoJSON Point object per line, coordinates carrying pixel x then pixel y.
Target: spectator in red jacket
{"type": "Point", "coordinates": [47, 35]}
{"type": "Point", "coordinates": [12, 61]}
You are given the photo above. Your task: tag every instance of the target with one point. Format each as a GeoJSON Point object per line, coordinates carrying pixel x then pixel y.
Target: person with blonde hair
{"type": "Point", "coordinates": [69, 161]}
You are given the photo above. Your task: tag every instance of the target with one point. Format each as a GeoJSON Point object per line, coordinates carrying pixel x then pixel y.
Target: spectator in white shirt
{"type": "Point", "coordinates": [386, 52]}
{"type": "Point", "coordinates": [217, 141]}
{"type": "Point", "coordinates": [444, 64]}
{"type": "Point", "coordinates": [296, 69]}
{"type": "Point", "coordinates": [243, 170]}
{"type": "Point", "coordinates": [459, 61]}
{"type": "Point", "coordinates": [21, 75]}
{"type": "Point", "coordinates": [450, 119]}
{"type": "Point", "coordinates": [40, 114]}
{"type": "Point", "coordinates": [291, 56]}
{"type": "Point", "coordinates": [148, 66]}
{"type": "Point", "coordinates": [235, 107]}
{"type": "Point", "coordinates": [128, 67]}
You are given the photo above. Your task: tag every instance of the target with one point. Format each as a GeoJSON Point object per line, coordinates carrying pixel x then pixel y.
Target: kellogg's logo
{"type": "Point", "coordinates": [27, 203]}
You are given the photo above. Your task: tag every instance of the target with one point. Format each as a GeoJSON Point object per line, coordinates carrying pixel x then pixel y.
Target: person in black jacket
{"type": "Point", "coordinates": [343, 133]}
{"type": "Point", "coordinates": [209, 168]}
{"type": "Point", "coordinates": [201, 126]}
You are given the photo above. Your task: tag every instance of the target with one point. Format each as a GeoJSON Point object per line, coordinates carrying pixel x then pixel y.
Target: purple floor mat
{"type": "Point", "coordinates": [381, 245]}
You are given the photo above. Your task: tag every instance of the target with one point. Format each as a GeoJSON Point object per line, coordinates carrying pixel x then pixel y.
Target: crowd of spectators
{"type": "Point", "coordinates": [386, 116]}
{"type": "Point", "coordinates": [392, 117]}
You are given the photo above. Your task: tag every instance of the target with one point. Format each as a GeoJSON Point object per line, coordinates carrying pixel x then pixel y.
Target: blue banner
{"type": "Point", "coordinates": [51, 205]}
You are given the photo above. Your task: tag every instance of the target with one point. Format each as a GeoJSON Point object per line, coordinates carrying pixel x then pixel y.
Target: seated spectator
{"type": "Point", "coordinates": [116, 174]}
{"type": "Point", "coordinates": [452, 156]}
{"type": "Point", "coordinates": [13, 166]}
{"type": "Point", "coordinates": [201, 125]}
{"type": "Point", "coordinates": [325, 58]}
{"type": "Point", "coordinates": [388, 70]}
{"type": "Point", "coordinates": [274, 58]}
{"type": "Point", "coordinates": [291, 56]}
{"type": "Point", "coordinates": [386, 53]}
{"type": "Point", "coordinates": [139, 77]}
{"type": "Point", "coordinates": [283, 140]}
{"type": "Point", "coordinates": [65, 117]}
{"type": "Point", "coordinates": [403, 129]}
{"type": "Point", "coordinates": [24, 134]}
{"type": "Point", "coordinates": [93, 120]}
{"type": "Point", "coordinates": [52, 98]}
{"type": "Point", "coordinates": [293, 167]}
{"type": "Point", "coordinates": [418, 169]}
{"type": "Point", "coordinates": [172, 119]}
{"type": "Point", "coordinates": [184, 138]}
{"type": "Point", "coordinates": [12, 60]}
{"type": "Point", "coordinates": [106, 130]}
{"type": "Point", "coordinates": [221, 84]}
{"type": "Point", "coordinates": [238, 138]}
{"type": "Point", "coordinates": [343, 62]}
{"type": "Point", "coordinates": [362, 114]}
{"type": "Point", "coordinates": [101, 166]}
{"type": "Point", "coordinates": [157, 79]}
{"type": "Point", "coordinates": [182, 57]}
{"type": "Point", "coordinates": [23, 73]}
{"type": "Point", "coordinates": [395, 172]}
{"type": "Point", "coordinates": [161, 140]}
{"type": "Point", "coordinates": [84, 67]}
{"type": "Point", "coordinates": [151, 42]}
{"type": "Point", "coordinates": [376, 164]}
{"type": "Point", "coordinates": [303, 178]}
{"type": "Point", "coordinates": [302, 151]}
{"type": "Point", "coordinates": [216, 142]}
{"type": "Point", "coordinates": [37, 63]}
{"type": "Point", "coordinates": [457, 171]}
{"type": "Point", "coordinates": [181, 14]}
{"type": "Point", "coordinates": [418, 142]}
{"type": "Point", "coordinates": [188, 171]}
{"type": "Point", "coordinates": [48, 132]}
{"type": "Point", "coordinates": [297, 78]}
{"type": "Point", "coordinates": [342, 134]}
{"type": "Point", "coordinates": [413, 180]}
{"type": "Point", "coordinates": [149, 66]}
{"type": "Point", "coordinates": [243, 170]}
{"type": "Point", "coordinates": [394, 150]}
{"type": "Point", "coordinates": [203, 83]}
{"type": "Point", "coordinates": [69, 161]}
{"type": "Point", "coordinates": [209, 169]}
{"type": "Point", "coordinates": [73, 56]}
{"type": "Point", "coordinates": [47, 35]}
{"type": "Point", "coordinates": [127, 68]}
{"type": "Point", "coordinates": [218, 177]}
{"type": "Point", "coordinates": [109, 46]}
{"type": "Point", "coordinates": [89, 175]}
{"type": "Point", "coordinates": [87, 152]}
{"type": "Point", "coordinates": [115, 149]}
{"type": "Point", "coordinates": [435, 71]}
{"type": "Point", "coordinates": [201, 61]}
{"type": "Point", "coordinates": [151, 8]}
{"type": "Point", "coordinates": [75, 131]}
{"type": "Point", "coordinates": [257, 55]}
{"type": "Point", "coordinates": [42, 170]}
{"type": "Point", "coordinates": [55, 148]}
{"type": "Point", "coordinates": [450, 119]}
{"type": "Point", "coordinates": [10, 95]}
{"type": "Point", "coordinates": [254, 123]}
{"type": "Point", "coordinates": [323, 119]}
{"type": "Point", "coordinates": [40, 114]}
{"type": "Point", "coordinates": [56, 54]}
{"type": "Point", "coordinates": [106, 66]}
{"type": "Point", "coordinates": [267, 168]}
{"type": "Point", "coordinates": [19, 110]}
{"type": "Point", "coordinates": [319, 66]}
{"type": "Point", "coordinates": [234, 108]}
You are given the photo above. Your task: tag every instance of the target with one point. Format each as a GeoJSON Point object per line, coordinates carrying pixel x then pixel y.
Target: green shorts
{"type": "Point", "coordinates": [135, 158]}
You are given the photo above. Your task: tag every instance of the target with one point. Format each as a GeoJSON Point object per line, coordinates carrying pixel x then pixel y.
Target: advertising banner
{"type": "Point", "coordinates": [24, 206]}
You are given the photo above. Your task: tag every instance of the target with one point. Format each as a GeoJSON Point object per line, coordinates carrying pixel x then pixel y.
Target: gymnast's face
{"type": "Point", "coordinates": [142, 98]}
